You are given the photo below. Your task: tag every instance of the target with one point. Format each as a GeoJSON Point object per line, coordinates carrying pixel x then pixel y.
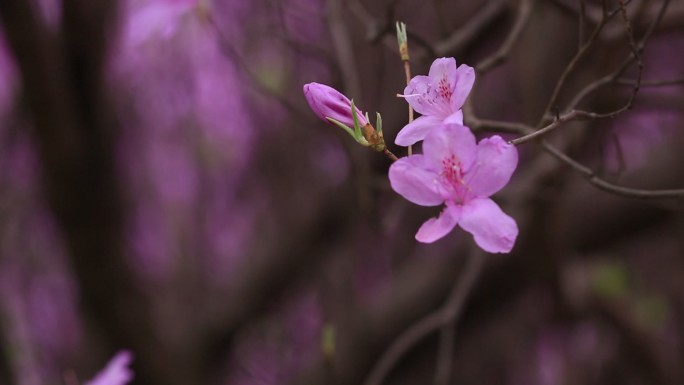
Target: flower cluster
{"type": "Point", "coordinates": [462, 175]}
{"type": "Point", "coordinates": [454, 169]}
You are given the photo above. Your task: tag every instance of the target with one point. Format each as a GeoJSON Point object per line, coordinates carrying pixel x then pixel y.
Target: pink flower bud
{"type": "Point", "coordinates": [327, 102]}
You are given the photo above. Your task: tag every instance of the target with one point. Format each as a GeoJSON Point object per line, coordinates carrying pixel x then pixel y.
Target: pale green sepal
{"type": "Point", "coordinates": [342, 126]}
{"type": "Point", "coordinates": [378, 122]}
{"type": "Point", "coordinates": [357, 125]}
{"type": "Point", "coordinates": [401, 33]}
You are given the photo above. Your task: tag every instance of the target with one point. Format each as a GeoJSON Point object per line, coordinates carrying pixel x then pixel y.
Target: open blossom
{"type": "Point", "coordinates": [438, 97]}
{"type": "Point", "coordinates": [456, 171]}
{"type": "Point", "coordinates": [116, 372]}
{"type": "Point", "coordinates": [327, 102]}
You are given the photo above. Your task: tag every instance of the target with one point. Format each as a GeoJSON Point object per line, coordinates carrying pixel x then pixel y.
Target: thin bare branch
{"type": "Point", "coordinates": [604, 185]}
{"type": "Point", "coordinates": [467, 34]}
{"type": "Point", "coordinates": [498, 57]}
{"type": "Point", "coordinates": [582, 22]}
{"type": "Point", "coordinates": [448, 314]}
{"type": "Point", "coordinates": [569, 69]}
{"type": "Point", "coordinates": [521, 128]}
{"type": "Point", "coordinates": [343, 47]}
{"type": "Point", "coordinates": [651, 83]}
{"type": "Point", "coordinates": [574, 114]}
{"type": "Point", "coordinates": [445, 355]}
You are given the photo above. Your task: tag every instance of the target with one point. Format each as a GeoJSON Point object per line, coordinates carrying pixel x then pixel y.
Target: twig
{"type": "Point", "coordinates": [467, 34]}
{"type": "Point", "coordinates": [579, 114]}
{"type": "Point", "coordinates": [589, 174]}
{"type": "Point", "coordinates": [389, 154]}
{"type": "Point", "coordinates": [448, 314]}
{"type": "Point", "coordinates": [498, 57]}
{"type": "Point", "coordinates": [376, 30]}
{"type": "Point", "coordinates": [445, 354]}
{"type": "Point", "coordinates": [402, 39]}
{"type": "Point", "coordinates": [567, 117]}
{"type": "Point", "coordinates": [573, 63]}
{"type": "Point", "coordinates": [651, 83]}
{"type": "Point", "coordinates": [592, 13]}
{"type": "Point", "coordinates": [582, 21]}
{"type": "Point", "coordinates": [343, 47]}
{"type": "Point", "coordinates": [607, 186]}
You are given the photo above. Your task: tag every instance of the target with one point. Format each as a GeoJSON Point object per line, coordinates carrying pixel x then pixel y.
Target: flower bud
{"type": "Point", "coordinates": [327, 102]}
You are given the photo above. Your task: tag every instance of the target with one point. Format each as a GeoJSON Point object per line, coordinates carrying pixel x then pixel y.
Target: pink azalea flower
{"type": "Point", "coordinates": [116, 372]}
{"type": "Point", "coordinates": [438, 97]}
{"type": "Point", "coordinates": [327, 102]}
{"type": "Point", "coordinates": [456, 171]}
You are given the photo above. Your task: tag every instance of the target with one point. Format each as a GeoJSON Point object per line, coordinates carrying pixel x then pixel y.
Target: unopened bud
{"type": "Point", "coordinates": [326, 102]}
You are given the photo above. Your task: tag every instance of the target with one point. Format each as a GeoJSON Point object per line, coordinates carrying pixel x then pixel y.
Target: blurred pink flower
{"type": "Point", "coordinates": [116, 372]}
{"type": "Point", "coordinates": [438, 97]}
{"type": "Point", "coordinates": [327, 102]}
{"type": "Point", "coordinates": [456, 171]}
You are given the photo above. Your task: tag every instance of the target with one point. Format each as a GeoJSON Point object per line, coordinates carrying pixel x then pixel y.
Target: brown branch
{"type": "Point", "coordinates": [500, 55]}
{"type": "Point", "coordinates": [567, 117]}
{"type": "Point", "coordinates": [466, 35]}
{"type": "Point", "coordinates": [604, 185]}
{"type": "Point", "coordinates": [343, 48]}
{"type": "Point", "coordinates": [584, 49]}
{"type": "Point", "coordinates": [579, 114]}
{"type": "Point", "coordinates": [651, 83]}
{"type": "Point", "coordinates": [582, 22]}
{"type": "Point", "coordinates": [390, 155]}
{"type": "Point", "coordinates": [592, 13]}
{"type": "Point", "coordinates": [589, 174]}
{"type": "Point", "coordinates": [448, 314]}
{"type": "Point", "coordinates": [445, 355]}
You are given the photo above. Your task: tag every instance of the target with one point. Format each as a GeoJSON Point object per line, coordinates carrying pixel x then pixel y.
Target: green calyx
{"type": "Point", "coordinates": [367, 136]}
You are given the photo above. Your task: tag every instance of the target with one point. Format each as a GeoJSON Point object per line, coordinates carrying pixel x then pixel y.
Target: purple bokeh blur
{"type": "Point", "coordinates": [268, 248]}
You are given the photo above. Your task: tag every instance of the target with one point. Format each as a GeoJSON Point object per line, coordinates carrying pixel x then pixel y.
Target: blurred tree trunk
{"type": "Point", "coordinates": [75, 134]}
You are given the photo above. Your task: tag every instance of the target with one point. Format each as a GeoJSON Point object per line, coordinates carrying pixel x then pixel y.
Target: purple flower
{"type": "Point", "coordinates": [116, 372]}
{"type": "Point", "coordinates": [438, 97]}
{"type": "Point", "coordinates": [327, 102]}
{"type": "Point", "coordinates": [456, 171]}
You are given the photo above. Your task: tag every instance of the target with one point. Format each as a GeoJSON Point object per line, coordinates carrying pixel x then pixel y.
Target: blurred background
{"type": "Point", "coordinates": [165, 189]}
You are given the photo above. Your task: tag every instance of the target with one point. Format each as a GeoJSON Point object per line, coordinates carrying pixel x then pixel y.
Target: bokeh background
{"type": "Point", "coordinates": [165, 189]}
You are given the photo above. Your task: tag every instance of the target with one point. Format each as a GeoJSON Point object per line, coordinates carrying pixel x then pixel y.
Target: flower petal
{"type": "Point", "coordinates": [463, 83]}
{"type": "Point", "coordinates": [496, 161]}
{"type": "Point", "coordinates": [416, 94]}
{"type": "Point", "coordinates": [431, 95]}
{"type": "Point", "coordinates": [436, 228]}
{"type": "Point", "coordinates": [443, 68]}
{"type": "Point", "coordinates": [494, 231]}
{"type": "Point", "coordinates": [416, 130]}
{"type": "Point", "coordinates": [449, 140]}
{"type": "Point", "coordinates": [116, 372]}
{"type": "Point", "coordinates": [456, 117]}
{"type": "Point", "coordinates": [409, 177]}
